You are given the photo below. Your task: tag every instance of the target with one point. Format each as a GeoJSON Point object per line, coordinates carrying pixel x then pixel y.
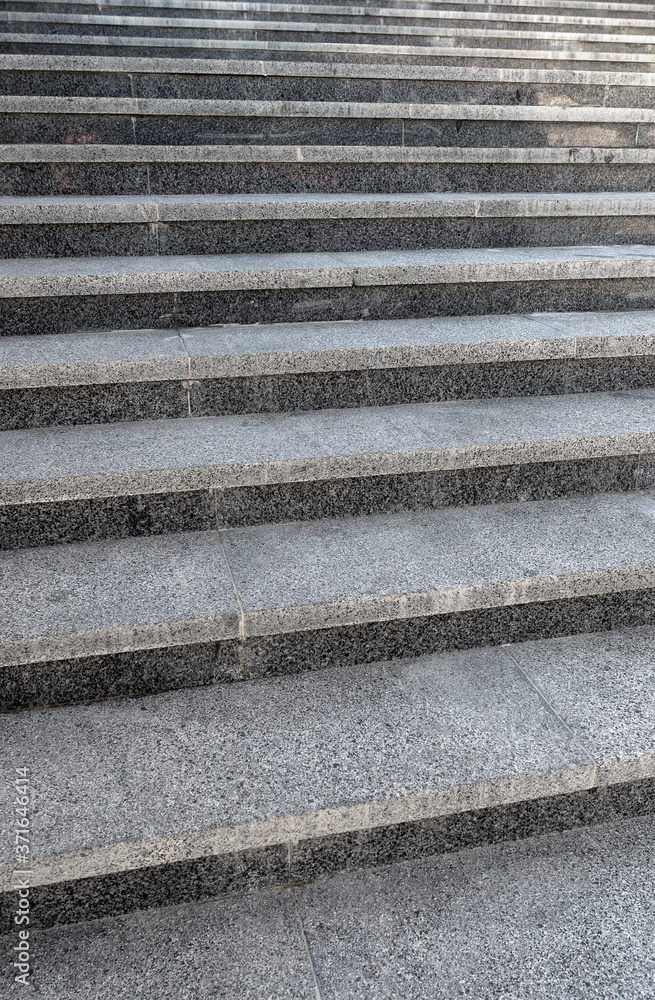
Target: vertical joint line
{"type": "Point", "coordinates": [554, 711]}
{"type": "Point", "coordinates": [303, 935]}
{"type": "Point", "coordinates": [242, 617]}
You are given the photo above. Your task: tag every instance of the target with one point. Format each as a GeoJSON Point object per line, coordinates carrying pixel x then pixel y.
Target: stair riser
{"type": "Point", "coordinates": [325, 178]}
{"type": "Point", "coordinates": [36, 524]}
{"type": "Point", "coordinates": [70, 314]}
{"type": "Point", "coordinates": [110, 403]}
{"type": "Point", "coordinates": [347, 21]}
{"type": "Point", "coordinates": [196, 664]}
{"type": "Point", "coordinates": [297, 88]}
{"type": "Point", "coordinates": [231, 131]}
{"type": "Point", "coordinates": [309, 235]}
{"type": "Point", "coordinates": [290, 863]}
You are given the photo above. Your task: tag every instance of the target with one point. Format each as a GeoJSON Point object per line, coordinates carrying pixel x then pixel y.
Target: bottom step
{"type": "Point", "coordinates": [197, 793]}
{"type": "Point", "coordinates": [566, 916]}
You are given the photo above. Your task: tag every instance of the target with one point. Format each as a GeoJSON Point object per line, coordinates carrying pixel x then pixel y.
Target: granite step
{"type": "Point", "coordinates": [614, 38]}
{"type": "Point", "coordinates": [572, 57]}
{"type": "Point", "coordinates": [358, 18]}
{"type": "Point", "coordinates": [132, 615]}
{"type": "Point", "coordinates": [158, 121]}
{"type": "Point", "coordinates": [425, 921]}
{"type": "Point", "coordinates": [72, 295]}
{"type": "Point", "coordinates": [134, 225]}
{"type": "Point", "coordinates": [297, 778]}
{"type": "Point", "coordinates": [90, 482]}
{"type": "Point", "coordinates": [250, 79]}
{"type": "Point", "coordinates": [640, 8]}
{"type": "Point", "coordinates": [153, 374]}
{"type": "Point", "coordinates": [83, 168]}
{"type": "Point", "coordinates": [589, 19]}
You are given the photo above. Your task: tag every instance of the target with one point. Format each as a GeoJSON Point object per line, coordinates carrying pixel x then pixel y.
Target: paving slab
{"type": "Point", "coordinates": [601, 687]}
{"type": "Point", "coordinates": [563, 917]}
{"type": "Point", "coordinates": [251, 947]}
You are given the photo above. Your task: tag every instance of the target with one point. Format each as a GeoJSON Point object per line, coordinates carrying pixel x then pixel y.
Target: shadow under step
{"type": "Point", "coordinates": [157, 121]}
{"type": "Point", "coordinates": [250, 79]}
{"type": "Point", "coordinates": [85, 168]}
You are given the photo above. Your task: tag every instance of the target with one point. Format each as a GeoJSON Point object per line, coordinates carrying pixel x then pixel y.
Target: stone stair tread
{"type": "Point", "coordinates": [290, 760]}
{"type": "Point", "coordinates": [381, 11]}
{"type": "Point", "coordinates": [11, 104]}
{"type": "Point", "coordinates": [126, 208]}
{"type": "Point", "coordinates": [89, 598]}
{"type": "Point", "coordinates": [327, 49]}
{"type": "Point", "coordinates": [427, 5]}
{"type": "Point", "coordinates": [111, 153]}
{"type": "Point", "coordinates": [335, 27]}
{"type": "Point", "coordinates": [281, 348]}
{"type": "Point", "coordinates": [84, 461]}
{"type": "Point", "coordinates": [252, 67]}
{"type": "Point", "coordinates": [120, 275]}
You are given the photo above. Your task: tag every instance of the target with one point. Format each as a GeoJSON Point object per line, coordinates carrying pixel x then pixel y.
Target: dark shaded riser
{"type": "Point", "coordinates": [32, 525]}
{"type": "Point", "coordinates": [327, 178]}
{"type": "Point", "coordinates": [209, 130]}
{"type": "Point", "coordinates": [70, 314]}
{"type": "Point", "coordinates": [315, 88]}
{"type": "Point", "coordinates": [293, 236]}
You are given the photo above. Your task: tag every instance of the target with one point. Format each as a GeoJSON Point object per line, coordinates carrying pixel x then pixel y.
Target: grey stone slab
{"type": "Point", "coordinates": [286, 347]}
{"type": "Point", "coordinates": [126, 209]}
{"type": "Point", "coordinates": [197, 453]}
{"type": "Point", "coordinates": [108, 153]}
{"type": "Point", "coordinates": [157, 275]}
{"type": "Point", "coordinates": [251, 67]}
{"type": "Point", "coordinates": [115, 45]}
{"type": "Point", "coordinates": [285, 759]}
{"type": "Point", "coordinates": [408, 15]}
{"type": "Point", "coordinates": [306, 576]}
{"type": "Point", "coordinates": [10, 104]}
{"type": "Point", "coordinates": [513, 920]}
{"type": "Point", "coordinates": [89, 359]}
{"type": "Point", "coordinates": [222, 452]}
{"type": "Point", "coordinates": [602, 687]}
{"type": "Point", "coordinates": [108, 597]}
{"type": "Point", "coordinates": [250, 947]}
{"type": "Point", "coordinates": [326, 30]}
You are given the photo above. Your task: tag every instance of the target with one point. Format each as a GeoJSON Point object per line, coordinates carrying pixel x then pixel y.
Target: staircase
{"type": "Point", "coordinates": [327, 368]}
